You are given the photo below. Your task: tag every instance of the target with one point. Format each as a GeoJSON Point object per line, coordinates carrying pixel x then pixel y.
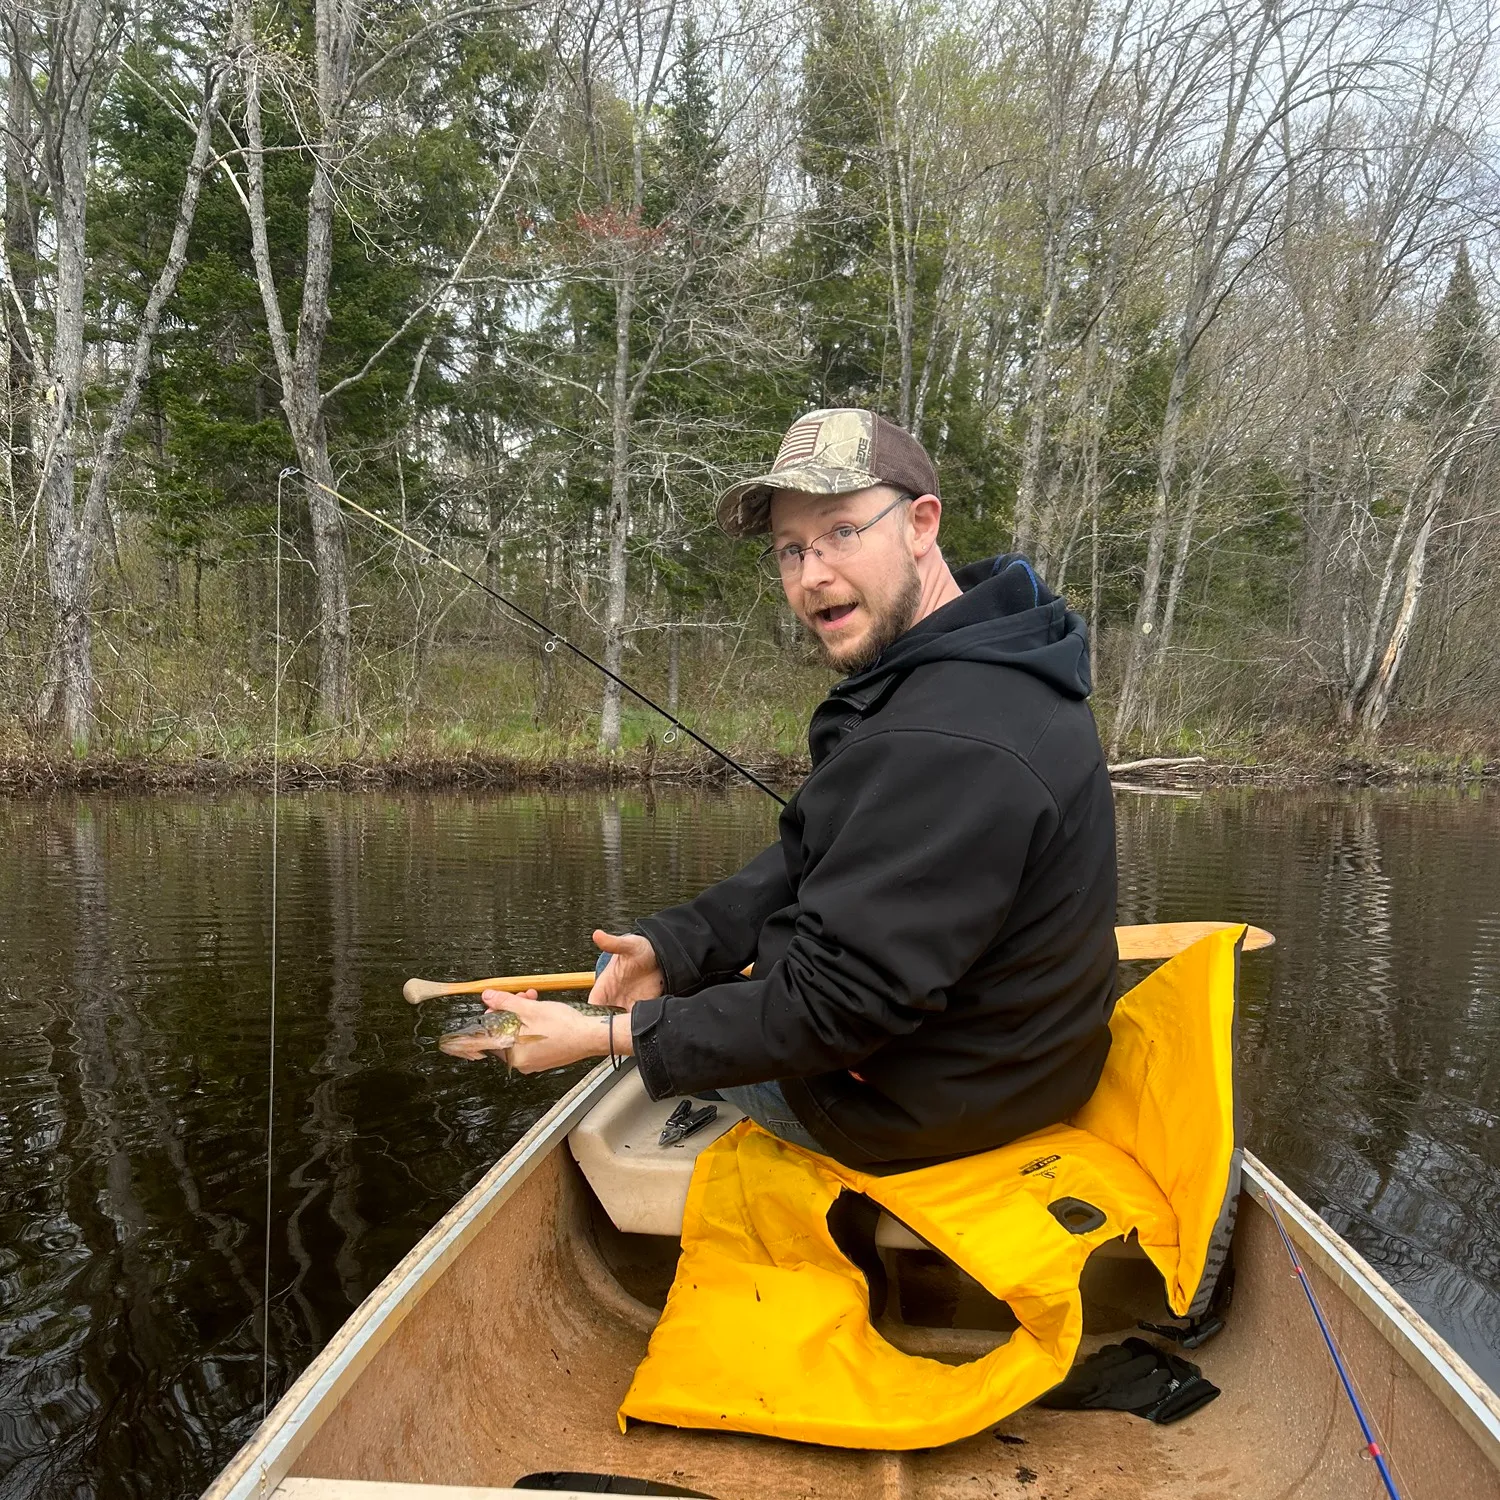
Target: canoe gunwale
{"type": "Point", "coordinates": [1440, 1367]}
{"type": "Point", "coordinates": [267, 1456]}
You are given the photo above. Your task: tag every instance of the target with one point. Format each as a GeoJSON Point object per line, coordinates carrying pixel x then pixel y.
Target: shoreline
{"type": "Point", "coordinates": [42, 775]}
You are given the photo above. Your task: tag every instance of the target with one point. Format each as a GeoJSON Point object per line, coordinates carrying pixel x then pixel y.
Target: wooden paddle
{"type": "Point", "coordinates": [418, 990]}
{"type": "Point", "coordinates": [1167, 939]}
{"type": "Point", "coordinates": [1162, 940]}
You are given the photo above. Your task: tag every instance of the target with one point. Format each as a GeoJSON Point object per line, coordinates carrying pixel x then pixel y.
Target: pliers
{"type": "Point", "coordinates": [685, 1120]}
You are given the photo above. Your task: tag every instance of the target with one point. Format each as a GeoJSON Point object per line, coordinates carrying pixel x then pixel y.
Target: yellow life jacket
{"type": "Point", "coordinates": [767, 1327]}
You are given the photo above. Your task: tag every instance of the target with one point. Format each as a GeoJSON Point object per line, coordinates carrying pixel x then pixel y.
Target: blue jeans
{"type": "Point", "coordinates": [767, 1106]}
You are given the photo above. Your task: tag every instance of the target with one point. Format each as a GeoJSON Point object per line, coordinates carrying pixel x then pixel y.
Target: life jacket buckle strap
{"type": "Point", "coordinates": [1189, 1334]}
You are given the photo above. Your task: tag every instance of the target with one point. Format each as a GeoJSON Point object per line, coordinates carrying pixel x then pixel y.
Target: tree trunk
{"type": "Point", "coordinates": [908, 322]}
{"type": "Point", "coordinates": [73, 531]}
{"type": "Point", "coordinates": [945, 294]}
{"type": "Point", "coordinates": [674, 662]}
{"type": "Point", "coordinates": [1179, 563]}
{"type": "Point", "coordinates": [1145, 622]}
{"type": "Point", "coordinates": [1377, 702]}
{"type": "Point", "coordinates": [335, 39]}
{"type": "Point", "coordinates": [646, 64]}
{"type": "Point", "coordinates": [1231, 200]}
{"type": "Point", "coordinates": [331, 562]}
{"type": "Point", "coordinates": [20, 256]}
{"type": "Point", "coordinates": [1024, 537]}
{"type": "Point", "coordinates": [1359, 680]}
{"type": "Point", "coordinates": [300, 369]}
{"type": "Point", "coordinates": [68, 695]}
{"type": "Point", "coordinates": [901, 251]}
{"type": "Point", "coordinates": [1382, 684]}
{"type": "Point", "coordinates": [1096, 586]}
{"type": "Point", "coordinates": [1372, 694]}
{"type": "Point", "coordinates": [1093, 482]}
{"type": "Point", "coordinates": [619, 505]}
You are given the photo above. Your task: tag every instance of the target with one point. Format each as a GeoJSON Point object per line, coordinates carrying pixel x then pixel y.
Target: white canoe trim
{"type": "Point", "coordinates": [259, 1468]}
{"type": "Point", "coordinates": [1436, 1362]}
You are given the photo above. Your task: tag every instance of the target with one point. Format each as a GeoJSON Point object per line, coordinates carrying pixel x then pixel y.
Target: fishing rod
{"type": "Point", "coordinates": [1372, 1445]}
{"type": "Point", "coordinates": [554, 638]}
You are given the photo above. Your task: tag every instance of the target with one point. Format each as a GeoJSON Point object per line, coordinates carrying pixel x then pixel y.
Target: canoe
{"type": "Point", "coordinates": [500, 1348]}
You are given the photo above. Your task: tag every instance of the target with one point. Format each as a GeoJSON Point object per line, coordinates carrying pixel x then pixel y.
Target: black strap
{"type": "Point", "coordinates": [601, 1484]}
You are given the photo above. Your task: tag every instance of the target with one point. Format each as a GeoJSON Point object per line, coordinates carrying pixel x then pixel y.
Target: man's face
{"type": "Point", "coordinates": [853, 606]}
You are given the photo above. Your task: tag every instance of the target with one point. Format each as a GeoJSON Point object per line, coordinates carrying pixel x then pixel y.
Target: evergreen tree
{"type": "Point", "coordinates": [833, 266]}
{"type": "Point", "coordinates": [1458, 367]}
{"type": "Point", "coordinates": [692, 147]}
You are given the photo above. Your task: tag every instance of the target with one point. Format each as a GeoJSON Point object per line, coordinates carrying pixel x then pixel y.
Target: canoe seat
{"type": "Point", "coordinates": [642, 1185]}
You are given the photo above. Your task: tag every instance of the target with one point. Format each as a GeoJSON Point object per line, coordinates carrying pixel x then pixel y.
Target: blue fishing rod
{"type": "Point", "coordinates": [554, 638]}
{"type": "Point", "coordinates": [1372, 1445]}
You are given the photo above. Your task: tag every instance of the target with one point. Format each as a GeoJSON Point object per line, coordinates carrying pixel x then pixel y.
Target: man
{"type": "Point", "coordinates": [933, 936]}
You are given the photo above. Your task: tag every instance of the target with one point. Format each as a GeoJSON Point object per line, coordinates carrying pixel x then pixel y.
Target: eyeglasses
{"type": "Point", "coordinates": [833, 546]}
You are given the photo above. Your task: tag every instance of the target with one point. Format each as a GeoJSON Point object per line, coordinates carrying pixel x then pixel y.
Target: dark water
{"type": "Point", "coordinates": [134, 952]}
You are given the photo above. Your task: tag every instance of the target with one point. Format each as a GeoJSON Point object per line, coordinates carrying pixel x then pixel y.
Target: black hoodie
{"type": "Point", "coordinates": [933, 936]}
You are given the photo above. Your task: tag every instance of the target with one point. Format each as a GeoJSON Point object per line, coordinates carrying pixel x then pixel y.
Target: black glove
{"type": "Point", "coordinates": [1136, 1377]}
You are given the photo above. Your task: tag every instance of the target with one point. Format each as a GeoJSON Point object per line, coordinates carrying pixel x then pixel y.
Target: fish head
{"type": "Point", "coordinates": [497, 1031]}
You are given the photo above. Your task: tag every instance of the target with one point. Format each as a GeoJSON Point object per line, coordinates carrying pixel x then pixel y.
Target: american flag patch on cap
{"type": "Point", "coordinates": [800, 443]}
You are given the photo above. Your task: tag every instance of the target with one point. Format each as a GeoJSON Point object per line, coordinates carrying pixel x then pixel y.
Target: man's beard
{"type": "Point", "coordinates": [888, 622]}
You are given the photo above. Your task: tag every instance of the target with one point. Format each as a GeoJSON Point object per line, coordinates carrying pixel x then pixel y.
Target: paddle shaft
{"type": "Point", "coordinates": [1158, 941]}
{"type": "Point", "coordinates": [418, 990]}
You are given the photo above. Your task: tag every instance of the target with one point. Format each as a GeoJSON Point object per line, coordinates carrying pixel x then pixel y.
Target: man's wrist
{"type": "Point", "coordinates": [614, 1036]}
{"type": "Point", "coordinates": [672, 961]}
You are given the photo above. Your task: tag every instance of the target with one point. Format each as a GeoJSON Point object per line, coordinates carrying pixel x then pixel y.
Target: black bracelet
{"type": "Point", "coordinates": [614, 1062]}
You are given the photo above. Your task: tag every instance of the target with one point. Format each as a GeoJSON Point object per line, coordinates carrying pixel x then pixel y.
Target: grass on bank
{"type": "Point", "coordinates": [187, 696]}
{"type": "Point", "coordinates": [484, 740]}
{"type": "Point", "coordinates": [468, 714]}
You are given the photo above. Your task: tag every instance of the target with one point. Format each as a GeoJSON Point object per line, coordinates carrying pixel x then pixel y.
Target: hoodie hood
{"type": "Point", "coordinates": [1005, 615]}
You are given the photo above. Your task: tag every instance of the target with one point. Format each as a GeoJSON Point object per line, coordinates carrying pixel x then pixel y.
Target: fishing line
{"type": "Point", "coordinates": [1365, 1424]}
{"type": "Point", "coordinates": [265, 1301]}
{"type": "Point", "coordinates": [554, 638]}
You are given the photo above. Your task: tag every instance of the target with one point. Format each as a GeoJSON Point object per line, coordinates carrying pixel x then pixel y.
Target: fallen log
{"type": "Point", "coordinates": [1153, 761]}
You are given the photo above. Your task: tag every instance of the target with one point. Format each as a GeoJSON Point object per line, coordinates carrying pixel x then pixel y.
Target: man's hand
{"type": "Point", "coordinates": [554, 1035]}
{"type": "Point", "coordinates": [631, 974]}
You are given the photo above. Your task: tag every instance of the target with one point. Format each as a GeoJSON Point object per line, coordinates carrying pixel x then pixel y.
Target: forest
{"type": "Point", "coordinates": [1194, 303]}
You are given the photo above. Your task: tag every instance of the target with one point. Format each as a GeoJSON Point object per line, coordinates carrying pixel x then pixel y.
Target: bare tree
{"type": "Point", "coordinates": [61, 68]}
{"type": "Point", "coordinates": [672, 275]}
{"type": "Point", "coordinates": [1077, 83]}
{"type": "Point", "coordinates": [1375, 685]}
{"type": "Point", "coordinates": [1269, 63]}
{"type": "Point", "coordinates": [1394, 181]}
{"type": "Point", "coordinates": [21, 208]}
{"type": "Point", "coordinates": [353, 58]}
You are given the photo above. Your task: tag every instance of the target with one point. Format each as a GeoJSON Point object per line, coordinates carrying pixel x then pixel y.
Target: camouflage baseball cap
{"type": "Point", "coordinates": [833, 451]}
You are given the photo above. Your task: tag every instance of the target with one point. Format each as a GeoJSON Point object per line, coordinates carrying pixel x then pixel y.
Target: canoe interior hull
{"type": "Point", "coordinates": [517, 1355]}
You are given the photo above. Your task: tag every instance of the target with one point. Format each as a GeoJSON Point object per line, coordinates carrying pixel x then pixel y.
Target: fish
{"type": "Point", "coordinates": [498, 1031]}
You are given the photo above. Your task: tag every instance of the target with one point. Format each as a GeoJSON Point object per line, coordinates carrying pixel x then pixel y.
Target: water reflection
{"type": "Point", "coordinates": [134, 958]}
{"type": "Point", "coordinates": [1367, 1049]}
{"type": "Point", "coordinates": [134, 953]}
